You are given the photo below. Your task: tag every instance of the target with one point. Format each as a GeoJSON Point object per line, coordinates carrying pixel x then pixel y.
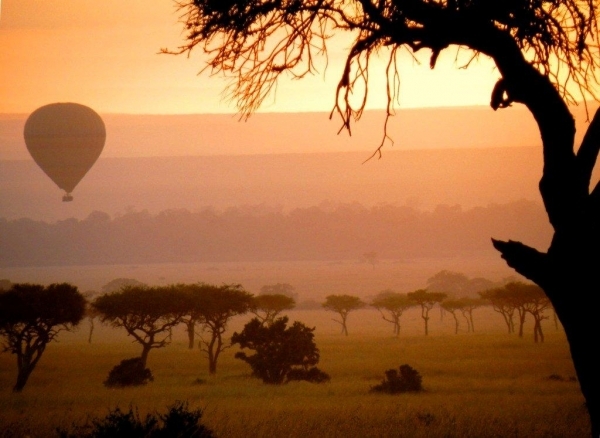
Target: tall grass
{"type": "Point", "coordinates": [482, 384]}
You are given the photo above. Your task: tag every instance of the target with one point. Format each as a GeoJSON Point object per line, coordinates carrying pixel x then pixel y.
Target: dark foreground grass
{"type": "Point", "coordinates": [476, 385]}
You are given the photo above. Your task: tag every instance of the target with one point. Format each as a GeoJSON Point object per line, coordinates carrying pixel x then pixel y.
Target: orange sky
{"type": "Point", "coordinates": [104, 55]}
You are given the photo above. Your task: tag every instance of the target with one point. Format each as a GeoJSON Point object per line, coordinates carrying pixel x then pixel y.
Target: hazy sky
{"type": "Point", "coordinates": [105, 54]}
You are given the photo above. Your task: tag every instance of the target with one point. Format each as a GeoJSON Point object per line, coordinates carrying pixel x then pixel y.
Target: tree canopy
{"type": "Point", "coordinates": [426, 300]}
{"type": "Point", "coordinates": [395, 304]}
{"type": "Point", "coordinates": [343, 305]}
{"type": "Point", "coordinates": [266, 307]}
{"type": "Point", "coordinates": [213, 306]}
{"type": "Point", "coordinates": [31, 316]}
{"type": "Point", "coordinates": [147, 314]}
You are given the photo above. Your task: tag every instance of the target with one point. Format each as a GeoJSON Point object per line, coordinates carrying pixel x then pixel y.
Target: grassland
{"type": "Point", "coordinates": [482, 384]}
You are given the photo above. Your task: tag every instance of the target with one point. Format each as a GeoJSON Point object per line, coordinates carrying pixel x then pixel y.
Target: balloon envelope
{"type": "Point", "coordinates": [65, 140]}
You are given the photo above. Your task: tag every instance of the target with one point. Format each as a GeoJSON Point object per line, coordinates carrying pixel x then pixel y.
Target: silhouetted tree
{"type": "Point", "coordinates": [281, 353]}
{"type": "Point", "coordinates": [544, 52]}
{"type": "Point", "coordinates": [538, 303]}
{"type": "Point", "coordinates": [119, 283]}
{"type": "Point", "coordinates": [452, 306]}
{"type": "Point", "coordinates": [394, 303]}
{"type": "Point", "coordinates": [467, 305]}
{"type": "Point", "coordinates": [343, 305]}
{"type": "Point", "coordinates": [146, 313]}
{"type": "Point", "coordinates": [191, 292]}
{"type": "Point", "coordinates": [267, 307]}
{"type": "Point", "coordinates": [31, 316]}
{"type": "Point", "coordinates": [279, 289]}
{"type": "Point", "coordinates": [214, 306]}
{"type": "Point", "coordinates": [455, 283]}
{"type": "Point", "coordinates": [529, 298]}
{"type": "Point", "coordinates": [502, 303]}
{"type": "Point", "coordinates": [90, 311]}
{"type": "Point", "coordinates": [426, 300]}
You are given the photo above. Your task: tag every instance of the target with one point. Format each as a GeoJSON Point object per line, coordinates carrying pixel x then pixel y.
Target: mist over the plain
{"type": "Point", "coordinates": [211, 190]}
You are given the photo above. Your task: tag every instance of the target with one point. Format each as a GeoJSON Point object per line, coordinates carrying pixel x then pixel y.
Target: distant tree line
{"type": "Point", "coordinates": [345, 231]}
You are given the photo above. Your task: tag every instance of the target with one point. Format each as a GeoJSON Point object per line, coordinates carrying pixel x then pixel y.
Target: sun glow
{"type": "Point", "coordinates": [107, 57]}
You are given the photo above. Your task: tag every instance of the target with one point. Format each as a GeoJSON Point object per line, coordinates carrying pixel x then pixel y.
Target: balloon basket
{"type": "Point", "coordinates": [67, 198]}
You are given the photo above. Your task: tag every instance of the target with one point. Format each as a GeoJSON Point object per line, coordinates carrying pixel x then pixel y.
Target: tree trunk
{"type": "Point", "coordinates": [344, 328]}
{"type": "Point", "coordinates": [22, 377]}
{"type": "Point", "coordinates": [581, 329]}
{"type": "Point", "coordinates": [522, 315]}
{"type": "Point", "coordinates": [91, 330]}
{"type": "Point", "coordinates": [456, 325]}
{"type": "Point", "coordinates": [145, 352]}
{"type": "Point", "coordinates": [190, 328]}
{"type": "Point", "coordinates": [212, 365]}
{"type": "Point", "coordinates": [567, 272]}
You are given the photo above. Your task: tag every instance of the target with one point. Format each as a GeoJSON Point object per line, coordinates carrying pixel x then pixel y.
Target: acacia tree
{"type": "Point", "coordinates": [31, 316]}
{"type": "Point", "coordinates": [547, 56]}
{"type": "Point", "coordinates": [394, 303]}
{"type": "Point", "coordinates": [538, 302]}
{"type": "Point", "coordinates": [426, 300]}
{"type": "Point", "coordinates": [343, 305]}
{"type": "Point", "coordinates": [501, 302]}
{"type": "Point", "coordinates": [529, 298]}
{"type": "Point", "coordinates": [467, 305]}
{"type": "Point", "coordinates": [215, 306]}
{"type": "Point", "coordinates": [90, 312]}
{"type": "Point", "coordinates": [279, 289]}
{"type": "Point", "coordinates": [147, 314]}
{"type": "Point", "coordinates": [268, 306]}
{"type": "Point", "coordinates": [452, 306]}
{"type": "Point", "coordinates": [190, 293]}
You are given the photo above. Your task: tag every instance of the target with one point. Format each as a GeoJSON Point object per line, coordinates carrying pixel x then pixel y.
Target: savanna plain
{"type": "Point", "coordinates": [485, 383]}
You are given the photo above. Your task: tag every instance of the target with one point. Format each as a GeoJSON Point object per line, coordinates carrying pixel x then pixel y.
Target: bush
{"type": "Point", "coordinates": [130, 372]}
{"type": "Point", "coordinates": [178, 422]}
{"type": "Point", "coordinates": [407, 380]}
{"type": "Point", "coordinates": [313, 375]}
{"type": "Point", "coordinates": [282, 353]}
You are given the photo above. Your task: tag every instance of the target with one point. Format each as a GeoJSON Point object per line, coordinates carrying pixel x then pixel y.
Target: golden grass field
{"type": "Point", "coordinates": [482, 384]}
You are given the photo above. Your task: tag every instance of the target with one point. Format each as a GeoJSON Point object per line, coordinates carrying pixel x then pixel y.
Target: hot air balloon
{"type": "Point", "coordinates": [65, 140]}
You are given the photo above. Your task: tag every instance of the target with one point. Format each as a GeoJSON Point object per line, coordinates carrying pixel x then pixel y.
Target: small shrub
{"type": "Point", "coordinates": [406, 379]}
{"type": "Point", "coordinates": [425, 418]}
{"type": "Point", "coordinates": [313, 375]}
{"type": "Point", "coordinates": [178, 422]}
{"type": "Point", "coordinates": [130, 372]}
